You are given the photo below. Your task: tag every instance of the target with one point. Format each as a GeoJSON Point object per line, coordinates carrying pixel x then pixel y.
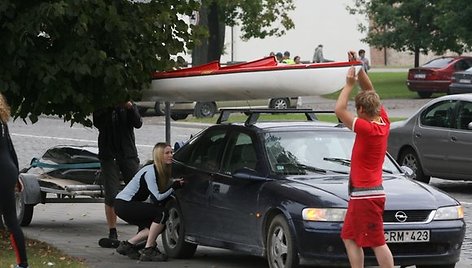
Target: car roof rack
{"type": "Point", "coordinates": [253, 114]}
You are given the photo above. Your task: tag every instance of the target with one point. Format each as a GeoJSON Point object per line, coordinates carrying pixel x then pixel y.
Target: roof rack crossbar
{"type": "Point", "coordinates": [253, 114]}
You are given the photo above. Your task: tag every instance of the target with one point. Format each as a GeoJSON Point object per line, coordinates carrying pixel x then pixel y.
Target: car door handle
{"type": "Point", "coordinates": [453, 138]}
{"type": "Point", "coordinates": [417, 135]}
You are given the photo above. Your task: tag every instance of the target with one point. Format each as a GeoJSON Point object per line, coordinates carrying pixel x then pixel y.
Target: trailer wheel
{"type": "Point", "coordinates": [24, 212]}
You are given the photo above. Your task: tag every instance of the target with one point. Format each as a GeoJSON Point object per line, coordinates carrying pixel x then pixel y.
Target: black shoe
{"type": "Point", "coordinates": [124, 248]}
{"type": "Point", "coordinates": [108, 242]}
{"type": "Point", "coordinates": [152, 254]}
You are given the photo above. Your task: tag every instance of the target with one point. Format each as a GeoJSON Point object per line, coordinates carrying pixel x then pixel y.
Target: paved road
{"type": "Point", "coordinates": [75, 228]}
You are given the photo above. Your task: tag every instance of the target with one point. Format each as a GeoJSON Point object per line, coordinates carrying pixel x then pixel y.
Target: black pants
{"type": "Point", "coordinates": [140, 213]}
{"type": "Point", "coordinates": [8, 209]}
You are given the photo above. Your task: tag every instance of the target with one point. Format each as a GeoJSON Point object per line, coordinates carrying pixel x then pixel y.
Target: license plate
{"type": "Point", "coordinates": [407, 236]}
{"type": "Point", "coordinates": [464, 81]}
{"type": "Point", "coordinates": [420, 76]}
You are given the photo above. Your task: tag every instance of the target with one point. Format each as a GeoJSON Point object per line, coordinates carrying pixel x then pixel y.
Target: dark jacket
{"type": "Point", "coordinates": [116, 132]}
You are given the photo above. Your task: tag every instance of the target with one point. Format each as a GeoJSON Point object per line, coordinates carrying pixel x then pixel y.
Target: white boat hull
{"type": "Point", "coordinates": [279, 82]}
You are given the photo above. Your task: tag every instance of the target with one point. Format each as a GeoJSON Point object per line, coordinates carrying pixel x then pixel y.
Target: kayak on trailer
{"type": "Point", "coordinates": [262, 78]}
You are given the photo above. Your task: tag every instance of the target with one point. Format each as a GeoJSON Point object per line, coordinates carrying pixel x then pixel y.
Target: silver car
{"type": "Point", "coordinates": [180, 110]}
{"type": "Point", "coordinates": [437, 140]}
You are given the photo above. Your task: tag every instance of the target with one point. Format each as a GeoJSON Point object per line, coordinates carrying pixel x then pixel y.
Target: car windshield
{"type": "Point", "coordinates": [306, 152]}
{"type": "Point", "coordinates": [438, 63]}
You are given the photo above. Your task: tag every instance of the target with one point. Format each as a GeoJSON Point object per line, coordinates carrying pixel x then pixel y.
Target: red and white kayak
{"type": "Point", "coordinates": [263, 78]}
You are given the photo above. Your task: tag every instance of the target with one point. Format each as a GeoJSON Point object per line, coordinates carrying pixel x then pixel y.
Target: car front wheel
{"type": "Point", "coordinates": [281, 251]}
{"type": "Point", "coordinates": [173, 238]}
{"type": "Point", "coordinates": [280, 103]}
{"type": "Point", "coordinates": [410, 159]}
{"type": "Point", "coordinates": [204, 109]}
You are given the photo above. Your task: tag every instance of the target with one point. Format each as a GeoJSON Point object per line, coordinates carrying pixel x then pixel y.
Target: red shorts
{"type": "Point", "coordinates": [364, 222]}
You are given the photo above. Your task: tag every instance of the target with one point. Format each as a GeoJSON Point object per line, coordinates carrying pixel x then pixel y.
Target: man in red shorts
{"type": "Point", "coordinates": [363, 225]}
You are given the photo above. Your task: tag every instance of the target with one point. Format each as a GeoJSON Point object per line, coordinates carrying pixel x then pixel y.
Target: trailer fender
{"type": "Point", "coordinates": [31, 191]}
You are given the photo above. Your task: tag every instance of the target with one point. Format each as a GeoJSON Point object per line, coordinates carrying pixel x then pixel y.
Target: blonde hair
{"type": "Point", "coordinates": [369, 100]}
{"type": "Point", "coordinates": [4, 109]}
{"type": "Point", "coordinates": [164, 170]}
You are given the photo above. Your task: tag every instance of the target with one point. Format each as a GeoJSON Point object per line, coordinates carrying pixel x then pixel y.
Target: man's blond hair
{"type": "Point", "coordinates": [369, 100]}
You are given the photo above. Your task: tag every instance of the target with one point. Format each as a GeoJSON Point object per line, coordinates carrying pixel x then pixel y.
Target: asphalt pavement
{"type": "Point", "coordinates": [76, 227]}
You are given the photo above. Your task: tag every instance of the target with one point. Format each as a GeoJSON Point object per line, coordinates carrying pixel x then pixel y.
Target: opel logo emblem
{"type": "Point", "coordinates": [401, 216]}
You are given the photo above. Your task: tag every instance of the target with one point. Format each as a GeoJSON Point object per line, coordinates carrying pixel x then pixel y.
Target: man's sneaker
{"type": "Point", "coordinates": [128, 249]}
{"type": "Point", "coordinates": [108, 242]}
{"type": "Point", "coordinates": [124, 248]}
{"type": "Point", "coordinates": [152, 254]}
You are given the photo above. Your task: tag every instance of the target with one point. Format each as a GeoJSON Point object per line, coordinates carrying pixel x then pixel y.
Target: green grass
{"type": "Point", "coordinates": [389, 85]}
{"type": "Point", "coordinates": [39, 254]}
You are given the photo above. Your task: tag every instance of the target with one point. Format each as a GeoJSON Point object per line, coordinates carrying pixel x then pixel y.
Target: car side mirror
{"type": "Point", "coordinates": [469, 126]}
{"type": "Point", "coordinates": [248, 174]}
{"type": "Point", "coordinates": [408, 172]}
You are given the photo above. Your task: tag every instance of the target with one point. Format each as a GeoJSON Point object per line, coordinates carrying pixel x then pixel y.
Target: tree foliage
{"type": "Point", "coordinates": [418, 26]}
{"type": "Point", "coordinates": [256, 18]}
{"type": "Point", "coordinates": [71, 57]}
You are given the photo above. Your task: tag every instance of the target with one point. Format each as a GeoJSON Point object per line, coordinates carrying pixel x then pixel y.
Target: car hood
{"type": "Point", "coordinates": [401, 192]}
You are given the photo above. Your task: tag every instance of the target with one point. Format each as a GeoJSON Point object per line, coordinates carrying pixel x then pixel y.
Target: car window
{"type": "Point", "coordinates": [462, 65]}
{"type": "Point", "coordinates": [292, 152]}
{"type": "Point", "coordinates": [205, 152]}
{"type": "Point", "coordinates": [241, 153]}
{"type": "Point", "coordinates": [464, 116]}
{"type": "Point", "coordinates": [438, 63]}
{"type": "Point", "coordinates": [438, 115]}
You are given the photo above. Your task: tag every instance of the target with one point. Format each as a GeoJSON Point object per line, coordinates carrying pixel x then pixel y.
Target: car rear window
{"type": "Point", "coordinates": [438, 63]}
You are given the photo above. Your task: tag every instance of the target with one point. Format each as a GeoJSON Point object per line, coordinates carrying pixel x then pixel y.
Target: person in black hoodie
{"type": "Point", "coordinates": [8, 181]}
{"type": "Point", "coordinates": [118, 157]}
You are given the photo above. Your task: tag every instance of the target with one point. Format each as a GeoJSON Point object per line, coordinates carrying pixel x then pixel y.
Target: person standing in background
{"type": "Point", "coordinates": [118, 157]}
{"type": "Point", "coordinates": [8, 183]}
{"type": "Point", "coordinates": [365, 61]}
{"type": "Point", "coordinates": [318, 55]}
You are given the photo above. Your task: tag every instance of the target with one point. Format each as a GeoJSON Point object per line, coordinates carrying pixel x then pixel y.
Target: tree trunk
{"type": "Point", "coordinates": [417, 57]}
{"type": "Point", "coordinates": [211, 48]}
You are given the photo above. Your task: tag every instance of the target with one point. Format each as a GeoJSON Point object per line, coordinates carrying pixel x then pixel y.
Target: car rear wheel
{"type": "Point", "coordinates": [279, 103]}
{"type": "Point", "coordinates": [204, 109]}
{"type": "Point", "coordinates": [281, 251]}
{"type": "Point", "coordinates": [424, 94]}
{"type": "Point", "coordinates": [173, 238]}
{"type": "Point", "coordinates": [24, 212]}
{"type": "Point", "coordinates": [410, 159]}
{"type": "Point", "coordinates": [178, 116]}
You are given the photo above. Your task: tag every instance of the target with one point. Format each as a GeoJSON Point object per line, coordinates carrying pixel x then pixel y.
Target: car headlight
{"type": "Point", "coordinates": [324, 214]}
{"type": "Point", "coordinates": [449, 213]}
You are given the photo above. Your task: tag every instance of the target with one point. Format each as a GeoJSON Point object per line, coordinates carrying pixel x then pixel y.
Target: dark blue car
{"type": "Point", "coordinates": [279, 190]}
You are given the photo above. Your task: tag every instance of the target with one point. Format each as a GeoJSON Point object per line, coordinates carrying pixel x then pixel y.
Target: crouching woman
{"type": "Point", "coordinates": [142, 203]}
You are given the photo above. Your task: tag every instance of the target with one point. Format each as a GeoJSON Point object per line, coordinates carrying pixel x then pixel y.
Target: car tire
{"type": "Point", "coordinates": [176, 117]}
{"type": "Point", "coordinates": [173, 238]}
{"type": "Point", "coordinates": [410, 159]}
{"type": "Point", "coordinates": [424, 94]}
{"type": "Point", "coordinates": [204, 109]}
{"type": "Point", "coordinates": [24, 212]}
{"type": "Point", "coordinates": [159, 108]}
{"type": "Point", "coordinates": [281, 250]}
{"type": "Point", "coordinates": [279, 103]}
